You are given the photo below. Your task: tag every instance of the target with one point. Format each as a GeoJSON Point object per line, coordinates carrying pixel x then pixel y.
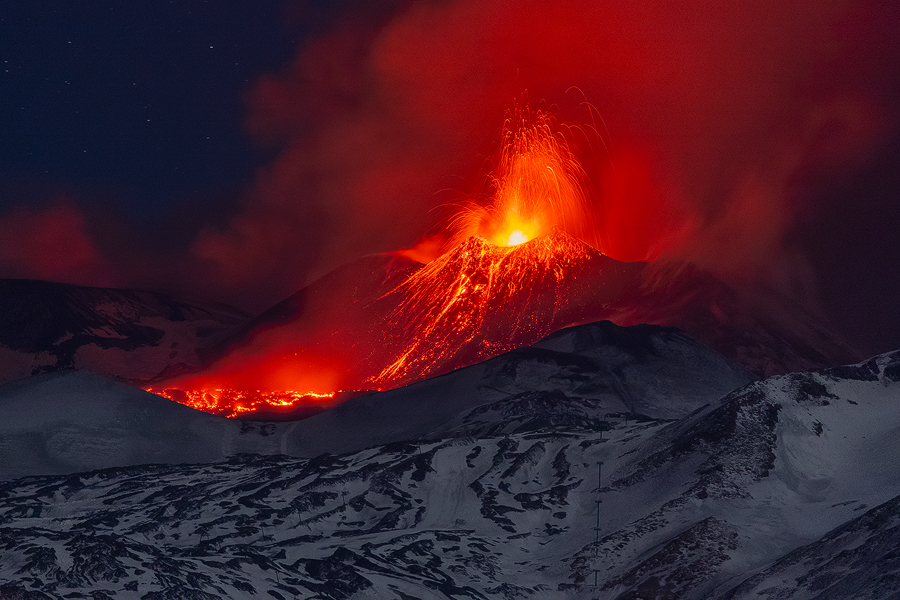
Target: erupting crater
{"type": "Point", "coordinates": [513, 271]}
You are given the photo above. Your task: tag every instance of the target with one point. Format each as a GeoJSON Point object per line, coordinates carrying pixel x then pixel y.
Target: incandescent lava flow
{"type": "Point", "coordinates": [480, 300]}
{"type": "Point", "coordinates": [514, 271]}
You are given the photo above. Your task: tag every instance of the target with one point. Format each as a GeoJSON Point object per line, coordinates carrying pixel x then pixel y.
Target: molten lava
{"type": "Point", "coordinates": [232, 403]}
{"type": "Point", "coordinates": [516, 237]}
{"type": "Point", "coordinates": [537, 184]}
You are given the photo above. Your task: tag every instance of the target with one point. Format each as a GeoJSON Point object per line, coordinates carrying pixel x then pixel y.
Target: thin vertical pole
{"type": "Point", "coordinates": [597, 527]}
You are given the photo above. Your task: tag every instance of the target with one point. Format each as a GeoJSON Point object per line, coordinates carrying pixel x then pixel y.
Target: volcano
{"type": "Point", "coordinates": [385, 321]}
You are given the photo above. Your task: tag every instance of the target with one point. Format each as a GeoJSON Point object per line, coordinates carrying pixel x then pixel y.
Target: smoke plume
{"type": "Point", "coordinates": [702, 121]}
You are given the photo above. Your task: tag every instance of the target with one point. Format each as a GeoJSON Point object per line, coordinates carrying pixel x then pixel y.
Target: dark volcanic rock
{"type": "Point", "coordinates": [126, 334]}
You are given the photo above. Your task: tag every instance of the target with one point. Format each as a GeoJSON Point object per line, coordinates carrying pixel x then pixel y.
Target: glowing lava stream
{"type": "Point", "coordinates": [231, 403]}
{"type": "Point", "coordinates": [455, 301]}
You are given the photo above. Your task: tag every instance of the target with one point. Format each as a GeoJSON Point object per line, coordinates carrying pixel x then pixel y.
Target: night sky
{"type": "Point", "coordinates": [234, 151]}
{"type": "Point", "coordinates": [144, 105]}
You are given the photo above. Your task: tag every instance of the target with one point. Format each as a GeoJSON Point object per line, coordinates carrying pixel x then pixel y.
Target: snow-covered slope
{"type": "Point", "coordinates": [857, 560]}
{"type": "Point", "coordinates": [752, 493]}
{"type": "Point", "coordinates": [127, 334]}
{"type": "Point", "coordinates": [77, 421]}
{"type": "Point", "coordinates": [644, 369]}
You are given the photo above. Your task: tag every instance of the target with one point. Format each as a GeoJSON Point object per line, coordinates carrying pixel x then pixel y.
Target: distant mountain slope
{"type": "Point", "coordinates": [127, 334]}
{"type": "Point", "coordinates": [757, 328]}
{"type": "Point", "coordinates": [751, 493]}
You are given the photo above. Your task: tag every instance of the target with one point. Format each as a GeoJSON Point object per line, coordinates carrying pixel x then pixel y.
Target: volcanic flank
{"type": "Point", "coordinates": [480, 300]}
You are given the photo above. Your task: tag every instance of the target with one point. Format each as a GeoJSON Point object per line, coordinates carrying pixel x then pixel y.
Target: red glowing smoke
{"type": "Point", "coordinates": [713, 126]}
{"type": "Point", "coordinates": [702, 119]}
{"type": "Point", "coordinates": [51, 244]}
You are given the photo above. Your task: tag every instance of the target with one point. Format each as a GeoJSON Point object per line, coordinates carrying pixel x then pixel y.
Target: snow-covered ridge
{"type": "Point", "coordinates": [77, 421]}
{"type": "Point", "coordinates": [783, 488]}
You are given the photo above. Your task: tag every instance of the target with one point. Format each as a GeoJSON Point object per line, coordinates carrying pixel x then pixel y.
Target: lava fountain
{"type": "Point", "coordinates": [537, 184]}
{"type": "Point", "coordinates": [508, 274]}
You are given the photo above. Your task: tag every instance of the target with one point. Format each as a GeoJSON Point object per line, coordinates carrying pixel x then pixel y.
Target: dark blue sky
{"type": "Point", "coordinates": [141, 104]}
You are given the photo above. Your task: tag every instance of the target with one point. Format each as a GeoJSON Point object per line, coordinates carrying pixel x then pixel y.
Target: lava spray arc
{"type": "Point", "coordinates": [536, 184]}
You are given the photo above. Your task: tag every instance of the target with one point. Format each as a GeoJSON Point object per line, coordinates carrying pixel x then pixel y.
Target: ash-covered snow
{"type": "Point", "coordinates": [605, 369]}
{"type": "Point", "coordinates": [783, 488]}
